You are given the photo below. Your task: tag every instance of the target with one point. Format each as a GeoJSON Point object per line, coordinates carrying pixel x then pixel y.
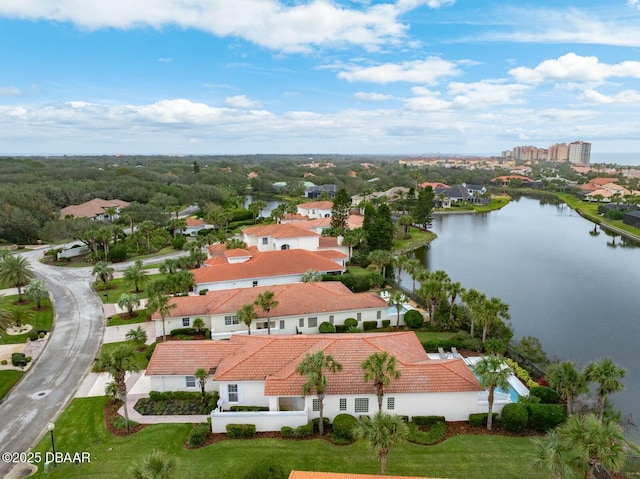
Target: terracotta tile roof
{"type": "Point", "coordinates": [328, 242]}
{"type": "Point", "coordinates": [237, 253]}
{"type": "Point", "coordinates": [217, 249]}
{"type": "Point", "coordinates": [294, 217]}
{"type": "Point", "coordinates": [194, 222]}
{"type": "Point", "coordinates": [184, 357]}
{"type": "Point", "coordinates": [433, 184]}
{"type": "Point", "coordinates": [317, 205]}
{"type": "Point", "coordinates": [331, 254]}
{"type": "Point", "coordinates": [285, 230]}
{"type": "Point", "coordinates": [344, 475]}
{"type": "Point", "coordinates": [320, 297]}
{"type": "Point", "coordinates": [264, 265]}
{"type": "Point", "coordinates": [92, 208]}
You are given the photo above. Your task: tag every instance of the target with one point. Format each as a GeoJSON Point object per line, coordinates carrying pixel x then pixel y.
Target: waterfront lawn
{"type": "Point", "coordinates": [81, 429]}
{"type": "Point", "coordinates": [42, 319]}
{"type": "Point", "coordinates": [8, 379]}
{"type": "Point", "coordinates": [589, 210]}
{"type": "Point", "coordinates": [497, 202]}
{"type": "Point", "coordinates": [418, 238]}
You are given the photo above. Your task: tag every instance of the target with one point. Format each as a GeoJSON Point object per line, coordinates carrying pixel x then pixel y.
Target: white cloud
{"type": "Point", "coordinates": [241, 101]}
{"type": "Point", "coordinates": [572, 67]}
{"type": "Point", "coordinates": [10, 91]}
{"type": "Point", "coordinates": [634, 3]}
{"type": "Point", "coordinates": [630, 97]}
{"type": "Point", "coordinates": [270, 23]}
{"type": "Point", "coordinates": [428, 71]}
{"type": "Point", "coordinates": [371, 96]}
{"type": "Point", "coordinates": [486, 93]}
{"type": "Point", "coordinates": [165, 60]}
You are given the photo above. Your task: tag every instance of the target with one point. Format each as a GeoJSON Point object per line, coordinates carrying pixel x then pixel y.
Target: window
{"type": "Point", "coordinates": [361, 405]}
{"type": "Point", "coordinates": [391, 403]}
{"type": "Point", "coordinates": [316, 404]}
{"type": "Point", "coordinates": [191, 381]}
{"type": "Point", "coordinates": [378, 314]}
{"type": "Point", "coordinates": [359, 316]}
{"type": "Point", "coordinates": [331, 319]}
{"type": "Point", "coordinates": [281, 324]}
{"type": "Point", "coordinates": [185, 322]}
{"type": "Point", "coordinates": [284, 247]}
{"type": "Point", "coordinates": [301, 323]}
{"type": "Point", "coordinates": [232, 389]}
{"type": "Point", "coordinates": [230, 320]}
{"type": "Point", "coordinates": [313, 322]}
{"type": "Point", "coordinates": [343, 404]}
{"type": "Point", "coordinates": [255, 283]}
{"type": "Point", "coordinates": [265, 240]}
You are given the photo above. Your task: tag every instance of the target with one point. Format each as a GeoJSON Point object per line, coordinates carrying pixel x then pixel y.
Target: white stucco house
{"type": "Point", "coordinates": [301, 308]}
{"type": "Point", "coordinates": [193, 226]}
{"type": "Point", "coordinates": [261, 371]}
{"type": "Point", "coordinates": [316, 209]}
{"type": "Point", "coordinates": [242, 268]}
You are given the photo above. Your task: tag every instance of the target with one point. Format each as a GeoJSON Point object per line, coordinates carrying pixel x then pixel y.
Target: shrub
{"type": "Point", "coordinates": [241, 431]}
{"type": "Point", "coordinates": [426, 438]}
{"type": "Point", "coordinates": [426, 420]}
{"type": "Point", "coordinates": [480, 419]}
{"type": "Point", "coordinates": [178, 242]}
{"type": "Point", "coordinates": [544, 417]}
{"type": "Point", "coordinates": [150, 349]}
{"type": "Point", "coordinates": [33, 336]}
{"type": "Point", "coordinates": [515, 417]}
{"type": "Point", "coordinates": [248, 408]}
{"type": "Point", "coordinates": [266, 471]}
{"type": "Point", "coordinates": [120, 423]}
{"type": "Point", "coordinates": [343, 425]}
{"type": "Point", "coordinates": [386, 323]}
{"type": "Point", "coordinates": [326, 327]}
{"type": "Point", "coordinates": [203, 292]}
{"type": "Point", "coordinates": [413, 319]}
{"type": "Point", "coordinates": [4, 362]}
{"type": "Point", "coordinates": [303, 431]}
{"type": "Point", "coordinates": [341, 328]}
{"type": "Point", "coordinates": [546, 394]}
{"type": "Point", "coordinates": [198, 435]}
{"type": "Point", "coordinates": [287, 432]}
{"type": "Point", "coordinates": [350, 322]}
{"type": "Point", "coordinates": [18, 359]}
{"type": "Point", "coordinates": [118, 253]}
{"type": "Point", "coordinates": [316, 423]}
{"type": "Point", "coordinates": [369, 325]}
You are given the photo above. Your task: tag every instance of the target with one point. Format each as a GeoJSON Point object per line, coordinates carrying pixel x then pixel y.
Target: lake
{"type": "Point", "coordinates": [576, 292]}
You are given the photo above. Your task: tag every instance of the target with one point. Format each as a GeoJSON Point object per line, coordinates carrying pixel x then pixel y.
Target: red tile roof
{"type": "Point", "coordinates": [285, 230]}
{"type": "Point", "coordinates": [184, 357]}
{"type": "Point", "coordinates": [319, 297]}
{"type": "Point", "coordinates": [194, 222]}
{"type": "Point", "coordinates": [92, 208]}
{"type": "Point", "coordinates": [264, 265]}
{"type": "Point", "coordinates": [317, 205]}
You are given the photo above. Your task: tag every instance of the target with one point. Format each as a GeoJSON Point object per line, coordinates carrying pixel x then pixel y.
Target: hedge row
{"type": "Point", "coordinates": [198, 435]}
{"type": "Point", "coordinates": [541, 417]}
{"type": "Point", "coordinates": [248, 408]}
{"type": "Point", "coordinates": [190, 332]}
{"type": "Point", "coordinates": [480, 419]}
{"type": "Point", "coordinates": [427, 438]}
{"type": "Point", "coordinates": [426, 420]}
{"type": "Point", "coordinates": [241, 431]}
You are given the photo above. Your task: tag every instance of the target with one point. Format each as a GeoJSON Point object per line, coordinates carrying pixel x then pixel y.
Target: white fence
{"type": "Point", "coordinates": [71, 252]}
{"type": "Point", "coordinates": [263, 420]}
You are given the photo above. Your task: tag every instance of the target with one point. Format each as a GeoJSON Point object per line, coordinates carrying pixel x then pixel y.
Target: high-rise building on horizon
{"type": "Point", "coordinates": [579, 152]}
{"type": "Point", "coordinates": [559, 152]}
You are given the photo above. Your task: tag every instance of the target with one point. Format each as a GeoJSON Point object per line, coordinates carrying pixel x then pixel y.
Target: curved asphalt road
{"type": "Point", "coordinates": [68, 356]}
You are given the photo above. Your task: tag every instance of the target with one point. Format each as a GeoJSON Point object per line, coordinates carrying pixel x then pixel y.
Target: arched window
{"type": "Point", "coordinates": [285, 246]}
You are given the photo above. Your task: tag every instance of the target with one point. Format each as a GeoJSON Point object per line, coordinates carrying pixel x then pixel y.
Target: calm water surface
{"type": "Point", "coordinates": [578, 293]}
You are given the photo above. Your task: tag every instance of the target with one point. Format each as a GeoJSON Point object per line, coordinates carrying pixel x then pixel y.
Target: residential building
{"type": "Point", "coordinates": [193, 226]}
{"type": "Point", "coordinates": [580, 152]}
{"type": "Point", "coordinates": [316, 209]}
{"type": "Point", "coordinates": [314, 192]}
{"type": "Point", "coordinates": [301, 308]}
{"type": "Point", "coordinates": [559, 152]}
{"type": "Point", "coordinates": [95, 209]}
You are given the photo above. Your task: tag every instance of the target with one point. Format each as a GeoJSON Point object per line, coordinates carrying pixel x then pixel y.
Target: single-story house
{"type": "Point", "coordinates": [193, 226]}
{"type": "Point", "coordinates": [261, 371]}
{"type": "Point", "coordinates": [242, 268]}
{"type": "Point", "coordinates": [301, 308]}
{"type": "Point", "coordinates": [313, 192]}
{"type": "Point", "coordinates": [95, 209]}
{"type": "Point", "coordinates": [316, 209]}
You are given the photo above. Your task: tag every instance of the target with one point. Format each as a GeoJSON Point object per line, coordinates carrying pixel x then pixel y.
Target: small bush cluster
{"type": "Point", "coordinates": [266, 471]}
{"type": "Point", "coordinates": [350, 323]}
{"type": "Point", "coordinates": [369, 325]}
{"type": "Point", "coordinates": [480, 419]}
{"type": "Point", "coordinates": [341, 328]}
{"type": "Point", "coordinates": [544, 417]}
{"type": "Point", "coordinates": [316, 424]}
{"type": "Point", "coordinates": [426, 420]}
{"type": "Point", "coordinates": [198, 435]}
{"type": "Point", "coordinates": [186, 332]}
{"type": "Point", "coordinates": [121, 423]}
{"type": "Point", "coordinates": [522, 373]}
{"type": "Point", "coordinates": [515, 417]}
{"type": "Point", "coordinates": [303, 431]}
{"type": "Point", "coordinates": [176, 403]}
{"type": "Point", "coordinates": [435, 433]}
{"type": "Point", "coordinates": [18, 359]}
{"type": "Point", "coordinates": [386, 323]}
{"type": "Point", "coordinates": [546, 394]}
{"type": "Point", "coordinates": [241, 431]}
{"type": "Point", "coordinates": [326, 327]}
{"type": "Point", "coordinates": [287, 432]}
{"type": "Point", "coordinates": [248, 408]}
{"type": "Point", "coordinates": [413, 319]}
{"type": "Point", "coordinates": [343, 427]}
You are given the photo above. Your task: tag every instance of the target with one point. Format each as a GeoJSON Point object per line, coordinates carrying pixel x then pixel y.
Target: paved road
{"type": "Point", "coordinates": [52, 381]}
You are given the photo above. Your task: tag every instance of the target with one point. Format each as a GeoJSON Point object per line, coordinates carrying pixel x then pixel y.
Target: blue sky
{"type": "Point", "coordinates": [300, 76]}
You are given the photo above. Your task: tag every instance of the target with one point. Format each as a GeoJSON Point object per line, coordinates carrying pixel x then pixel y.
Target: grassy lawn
{"type": "Point", "coordinates": [425, 336]}
{"type": "Point", "coordinates": [81, 429]}
{"type": "Point", "coordinates": [83, 264]}
{"type": "Point", "coordinates": [120, 286]}
{"type": "Point", "coordinates": [140, 356]}
{"type": "Point", "coordinates": [418, 238]}
{"type": "Point", "coordinates": [116, 320]}
{"type": "Point", "coordinates": [8, 378]}
{"type": "Point", "coordinates": [42, 319]}
{"type": "Point", "coordinates": [497, 202]}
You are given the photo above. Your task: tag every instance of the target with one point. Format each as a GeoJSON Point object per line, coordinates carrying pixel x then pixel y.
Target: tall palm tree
{"type": "Point", "coordinates": [15, 272]}
{"type": "Point", "coordinates": [379, 260]}
{"type": "Point", "coordinates": [397, 300]}
{"type": "Point", "coordinates": [400, 263]}
{"type": "Point", "coordinates": [380, 369]}
{"type": "Point", "coordinates": [17, 316]}
{"type": "Point", "coordinates": [157, 465]}
{"type": "Point", "coordinates": [129, 301]}
{"type": "Point", "coordinates": [103, 271]}
{"type": "Point", "coordinates": [567, 381]}
{"type": "Point", "coordinates": [36, 290]}
{"type": "Point", "coordinates": [160, 303]}
{"type": "Point", "coordinates": [314, 366]}
{"type": "Point", "coordinates": [381, 433]}
{"type": "Point", "coordinates": [136, 275]}
{"type": "Point", "coordinates": [247, 314]}
{"type": "Point", "coordinates": [412, 267]}
{"type": "Point", "coordinates": [117, 362]}
{"type": "Point", "coordinates": [608, 375]}
{"type": "Point", "coordinates": [454, 290]}
{"type": "Point", "coordinates": [256, 208]}
{"type": "Point", "coordinates": [267, 302]}
{"type": "Point", "coordinates": [493, 311]}
{"type": "Point", "coordinates": [493, 372]}
{"type": "Point", "coordinates": [170, 266]}
{"type": "Point", "coordinates": [474, 300]}
{"type": "Point", "coordinates": [201, 375]}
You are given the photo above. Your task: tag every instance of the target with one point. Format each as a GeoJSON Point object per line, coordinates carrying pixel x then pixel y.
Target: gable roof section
{"type": "Point", "coordinates": [266, 264]}
{"type": "Point", "coordinates": [285, 230]}
{"type": "Point", "coordinates": [193, 222]}
{"type": "Point", "coordinates": [180, 357]}
{"type": "Point", "coordinates": [317, 205]}
{"type": "Point", "coordinates": [91, 208]}
{"type": "Point", "coordinates": [319, 297]}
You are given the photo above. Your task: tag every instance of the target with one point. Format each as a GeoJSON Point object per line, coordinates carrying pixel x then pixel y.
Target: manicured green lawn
{"type": "Point", "coordinates": [141, 356]}
{"type": "Point", "coordinates": [116, 320]}
{"type": "Point", "coordinates": [8, 378]}
{"type": "Point", "coordinates": [497, 202]}
{"type": "Point", "coordinates": [425, 336]}
{"type": "Point", "coordinates": [418, 238]}
{"type": "Point", "coordinates": [42, 319]}
{"type": "Point", "coordinates": [81, 429]}
{"type": "Point", "coordinates": [120, 286]}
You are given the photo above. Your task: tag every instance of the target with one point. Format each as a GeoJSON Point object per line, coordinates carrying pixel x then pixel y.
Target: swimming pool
{"type": "Point", "coordinates": [392, 311]}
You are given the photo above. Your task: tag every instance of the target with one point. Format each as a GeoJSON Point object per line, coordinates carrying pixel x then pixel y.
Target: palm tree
{"type": "Point", "coordinates": [247, 314]}
{"type": "Point", "coordinates": [170, 266]}
{"type": "Point", "coordinates": [313, 366]}
{"type": "Point", "coordinates": [379, 260]}
{"type": "Point", "coordinates": [256, 208]}
{"type": "Point", "coordinates": [160, 303]}
{"type": "Point", "coordinates": [198, 324]}
{"type": "Point", "coordinates": [493, 311]}
{"type": "Point", "coordinates": [129, 301]}
{"type": "Point", "coordinates": [380, 368]}
{"type": "Point", "coordinates": [117, 362]}
{"type": "Point", "coordinates": [567, 381]}
{"type": "Point", "coordinates": [267, 302]}
{"type": "Point", "coordinates": [453, 290]}
{"type": "Point", "coordinates": [15, 272]}
{"type": "Point", "coordinates": [397, 300]}
{"type": "Point", "coordinates": [553, 455]}
{"type": "Point", "coordinates": [5, 322]}
{"type": "Point", "coordinates": [608, 375]}
{"type": "Point", "coordinates": [413, 266]}
{"type": "Point", "coordinates": [474, 300]}
{"type": "Point", "coordinates": [137, 336]}
{"type": "Point", "coordinates": [311, 276]}
{"type": "Point", "coordinates": [381, 433]}
{"type": "Point", "coordinates": [36, 290]}
{"type": "Point", "coordinates": [136, 275]}
{"type": "Point", "coordinates": [201, 375]}
{"type": "Point", "coordinates": [103, 271]}
{"type": "Point", "coordinates": [400, 262]}
{"type": "Point", "coordinates": [156, 465]}
{"type": "Point", "coordinates": [493, 372]}
{"type": "Point", "coordinates": [17, 316]}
